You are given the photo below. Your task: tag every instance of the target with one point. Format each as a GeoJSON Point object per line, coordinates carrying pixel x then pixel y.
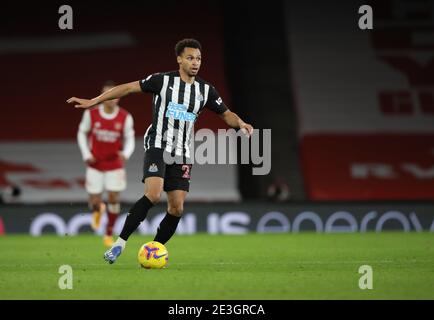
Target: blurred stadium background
{"type": "Point", "coordinates": [351, 112]}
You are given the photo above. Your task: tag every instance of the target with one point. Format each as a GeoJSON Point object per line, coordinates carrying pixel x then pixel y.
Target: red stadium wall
{"type": "Point", "coordinates": [369, 167]}
{"type": "Point", "coordinates": [364, 101]}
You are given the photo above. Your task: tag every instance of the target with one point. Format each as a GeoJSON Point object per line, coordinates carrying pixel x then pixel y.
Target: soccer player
{"type": "Point", "coordinates": [178, 98]}
{"type": "Point", "coordinates": [106, 140]}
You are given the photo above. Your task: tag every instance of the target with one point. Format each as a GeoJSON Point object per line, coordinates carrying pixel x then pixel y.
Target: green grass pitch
{"type": "Point", "coordinates": [253, 266]}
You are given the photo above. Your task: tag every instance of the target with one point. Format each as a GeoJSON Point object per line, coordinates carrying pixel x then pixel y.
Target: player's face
{"type": "Point", "coordinates": [110, 103]}
{"type": "Point", "coordinates": [189, 61]}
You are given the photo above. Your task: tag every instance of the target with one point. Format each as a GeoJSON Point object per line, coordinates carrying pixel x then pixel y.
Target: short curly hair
{"type": "Point", "coordinates": [186, 43]}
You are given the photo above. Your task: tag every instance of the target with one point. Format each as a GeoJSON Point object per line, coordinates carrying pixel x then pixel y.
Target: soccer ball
{"type": "Point", "coordinates": [153, 255]}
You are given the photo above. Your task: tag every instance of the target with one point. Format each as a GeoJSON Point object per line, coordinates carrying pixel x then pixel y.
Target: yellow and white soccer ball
{"type": "Point", "coordinates": [153, 255]}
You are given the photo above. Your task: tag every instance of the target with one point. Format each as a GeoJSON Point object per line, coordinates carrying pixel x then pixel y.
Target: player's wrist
{"type": "Point", "coordinates": [241, 123]}
{"type": "Point", "coordinates": [96, 101]}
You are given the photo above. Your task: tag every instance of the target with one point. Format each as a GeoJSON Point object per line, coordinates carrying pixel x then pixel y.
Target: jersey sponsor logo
{"type": "Point", "coordinates": [179, 112]}
{"type": "Point", "coordinates": [106, 135]}
{"type": "Point", "coordinates": [153, 168]}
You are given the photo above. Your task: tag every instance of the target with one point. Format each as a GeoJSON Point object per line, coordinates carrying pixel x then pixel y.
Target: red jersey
{"type": "Point", "coordinates": [106, 133]}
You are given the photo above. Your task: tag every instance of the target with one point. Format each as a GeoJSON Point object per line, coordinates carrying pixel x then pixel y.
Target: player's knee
{"type": "Point", "coordinates": [113, 197]}
{"type": "Point", "coordinates": [153, 196]}
{"type": "Point", "coordinates": [176, 210]}
{"type": "Point", "coordinates": [95, 204]}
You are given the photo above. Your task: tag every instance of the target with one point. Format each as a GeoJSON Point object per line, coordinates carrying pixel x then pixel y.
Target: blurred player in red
{"type": "Point", "coordinates": [106, 140]}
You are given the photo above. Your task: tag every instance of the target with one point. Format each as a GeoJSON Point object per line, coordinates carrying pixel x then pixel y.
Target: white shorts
{"type": "Point", "coordinates": [98, 181]}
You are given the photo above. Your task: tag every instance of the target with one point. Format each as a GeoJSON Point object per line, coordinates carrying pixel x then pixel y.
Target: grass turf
{"type": "Point", "coordinates": [253, 266]}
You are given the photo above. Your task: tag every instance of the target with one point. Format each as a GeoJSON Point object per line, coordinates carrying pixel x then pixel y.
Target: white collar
{"type": "Point", "coordinates": [108, 116]}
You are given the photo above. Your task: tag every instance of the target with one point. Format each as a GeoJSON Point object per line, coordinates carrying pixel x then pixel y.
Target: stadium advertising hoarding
{"type": "Point", "coordinates": [232, 219]}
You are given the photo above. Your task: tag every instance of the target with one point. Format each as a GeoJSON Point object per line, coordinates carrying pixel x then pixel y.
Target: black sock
{"type": "Point", "coordinates": [135, 216]}
{"type": "Point", "coordinates": [167, 228]}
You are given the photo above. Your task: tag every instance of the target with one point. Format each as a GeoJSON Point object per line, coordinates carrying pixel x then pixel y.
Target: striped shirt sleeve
{"type": "Point", "coordinates": [215, 102]}
{"type": "Point", "coordinates": [152, 83]}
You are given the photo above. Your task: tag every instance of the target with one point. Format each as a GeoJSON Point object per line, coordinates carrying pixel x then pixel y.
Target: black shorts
{"type": "Point", "coordinates": [176, 176]}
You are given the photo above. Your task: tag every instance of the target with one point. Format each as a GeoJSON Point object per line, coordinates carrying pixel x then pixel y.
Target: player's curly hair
{"type": "Point", "coordinates": [186, 43]}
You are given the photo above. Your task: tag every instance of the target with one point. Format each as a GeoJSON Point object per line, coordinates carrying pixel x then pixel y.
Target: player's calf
{"type": "Point", "coordinates": [98, 210]}
{"type": "Point", "coordinates": [167, 227]}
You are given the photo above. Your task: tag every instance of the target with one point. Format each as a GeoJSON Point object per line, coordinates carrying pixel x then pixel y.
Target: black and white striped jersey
{"type": "Point", "coordinates": [176, 106]}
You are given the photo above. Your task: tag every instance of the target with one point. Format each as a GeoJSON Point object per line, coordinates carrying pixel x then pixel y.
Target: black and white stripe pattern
{"type": "Point", "coordinates": [174, 135]}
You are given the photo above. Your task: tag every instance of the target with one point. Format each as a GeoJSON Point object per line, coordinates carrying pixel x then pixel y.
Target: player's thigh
{"type": "Point", "coordinates": [94, 181]}
{"type": "Point", "coordinates": [154, 169]}
{"type": "Point", "coordinates": [115, 180]}
{"type": "Point", "coordinates": [153, 188]}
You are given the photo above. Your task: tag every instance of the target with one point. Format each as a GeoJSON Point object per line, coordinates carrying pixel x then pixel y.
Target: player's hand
{"type": "Point", "coordinates": [247, 129]}
{"type": "Point", "coordinates": [91, 160]}
{"type": "Point", "coordinates": [82, 103]}
{"type": "Point", "coordinates": [122, 156]}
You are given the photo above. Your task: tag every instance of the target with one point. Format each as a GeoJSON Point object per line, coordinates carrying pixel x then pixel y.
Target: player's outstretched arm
{"type": "Point", "coordinates": [234, 121]}
{"type": "Point", "coordinates": [114, 93]}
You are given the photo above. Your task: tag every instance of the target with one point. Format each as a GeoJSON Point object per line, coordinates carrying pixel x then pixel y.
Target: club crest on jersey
{"type": "Point", "coordinates": [179, 112]}
{"type": "Point", "coordinates": [97, 124]}
{"type": "Point", "coordinates": [153, 168]}
{"type": "Point", "coordinates": [118, 126]}
{"type": "Point", "coordinates": [200, 97]}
